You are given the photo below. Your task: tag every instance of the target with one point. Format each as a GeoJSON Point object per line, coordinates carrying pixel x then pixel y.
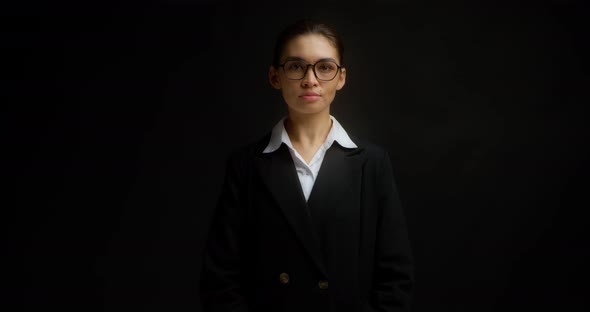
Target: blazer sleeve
{"type": "Point", "coordinates": [221, 287]}
{"type": "Point", "coordinates": [393, 274]}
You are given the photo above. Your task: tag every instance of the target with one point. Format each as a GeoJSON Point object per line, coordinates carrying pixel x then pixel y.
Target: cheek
{"type": "Point", "coordinates": [331, 88]}
{"type": "Point", "coordinates": [287, 92]}
{"type": "Point", "coordinates": [289, 95]}
{"type": "Point", "coordinates": [289, 89]}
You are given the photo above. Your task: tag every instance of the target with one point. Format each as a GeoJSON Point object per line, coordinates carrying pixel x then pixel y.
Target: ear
{"type": "Point", "coordinates": [341, 78]}
{"type": "Point", "coordinates": [273, 77]}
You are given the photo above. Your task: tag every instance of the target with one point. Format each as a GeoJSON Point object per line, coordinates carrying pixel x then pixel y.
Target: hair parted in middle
{"type": "Point", "coordinates": [304, 27]}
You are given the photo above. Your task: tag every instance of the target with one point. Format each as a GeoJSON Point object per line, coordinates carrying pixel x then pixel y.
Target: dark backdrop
{"type": "Point", "coordinates": [118, 117]}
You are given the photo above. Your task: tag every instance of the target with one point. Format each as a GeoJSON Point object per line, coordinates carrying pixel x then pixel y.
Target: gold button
{"type": "Point", "coordinates": [284, 278]}
{"type": "Point", "coordinates": [323, 284]}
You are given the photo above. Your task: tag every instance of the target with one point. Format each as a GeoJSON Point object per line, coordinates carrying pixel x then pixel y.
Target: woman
{"type": "Point", "coordinates": [309, 218]}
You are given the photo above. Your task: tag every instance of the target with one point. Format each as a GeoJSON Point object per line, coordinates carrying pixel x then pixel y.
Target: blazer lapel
{"type": "Point", "coordinates": [332, 201]}
{"type": "Point", "coordinates": [340, 168]}
{"type": "Point", "coordinates": [280, 176]}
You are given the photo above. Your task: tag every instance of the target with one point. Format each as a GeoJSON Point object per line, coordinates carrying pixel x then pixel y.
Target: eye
{"type": "Point", "coordinates": [295, 66]}
{"type": "Point", "coordinates": [326, 67]}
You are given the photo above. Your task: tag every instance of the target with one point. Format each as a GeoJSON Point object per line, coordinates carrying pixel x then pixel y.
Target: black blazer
{"type": "Point", "coordinates": [346, 249]}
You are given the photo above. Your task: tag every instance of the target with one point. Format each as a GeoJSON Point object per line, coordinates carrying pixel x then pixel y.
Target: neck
{"type": "Point", "coordinates": [308, 129]}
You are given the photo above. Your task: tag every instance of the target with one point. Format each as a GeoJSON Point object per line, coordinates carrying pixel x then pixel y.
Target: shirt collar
{"type": "Point", "coordinates": [279, 135]}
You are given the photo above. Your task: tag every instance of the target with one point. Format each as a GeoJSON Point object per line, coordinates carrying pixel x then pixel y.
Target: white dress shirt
{"type": "Point", "coordinates": [308, 173]}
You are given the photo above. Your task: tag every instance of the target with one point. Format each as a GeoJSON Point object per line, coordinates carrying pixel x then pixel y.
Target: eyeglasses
{"type": "Point", "coordinates": [323, 70]}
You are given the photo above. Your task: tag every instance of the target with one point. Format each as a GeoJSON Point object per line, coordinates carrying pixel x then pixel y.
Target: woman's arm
{"type": "Point", "coordinates": [221, 287]}
{"type": "Point", "coordinates": [393, 274]}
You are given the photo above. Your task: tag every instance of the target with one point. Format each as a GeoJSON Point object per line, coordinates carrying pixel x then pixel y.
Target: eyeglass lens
{"type": "Point", "coordinates": [324, 70]}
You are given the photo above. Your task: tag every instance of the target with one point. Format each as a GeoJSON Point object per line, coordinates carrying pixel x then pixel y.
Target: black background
{"type": "Point", "coordinates": [118, 117]}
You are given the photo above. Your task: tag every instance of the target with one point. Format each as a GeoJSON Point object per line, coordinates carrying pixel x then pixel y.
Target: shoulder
{"type": "Point", "coordinates": [239, 162]}
{"type": "Point", "coordinates": [246, 152]}
{"type": "Point", "coordinates": [377, 158]}
{"type": "Point", "coordinates": [374, 151]}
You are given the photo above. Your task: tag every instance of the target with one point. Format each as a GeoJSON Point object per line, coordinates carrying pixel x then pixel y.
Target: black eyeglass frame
{"type": "Point", "coordinates": [313, 68]}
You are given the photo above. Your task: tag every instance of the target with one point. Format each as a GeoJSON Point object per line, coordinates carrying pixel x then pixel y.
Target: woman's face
{"type": "Point", "coordinates": [308, 95]}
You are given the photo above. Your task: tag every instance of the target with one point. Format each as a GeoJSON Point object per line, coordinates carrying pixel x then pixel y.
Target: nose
{"type": "Point", "coordinates": [309, 79]}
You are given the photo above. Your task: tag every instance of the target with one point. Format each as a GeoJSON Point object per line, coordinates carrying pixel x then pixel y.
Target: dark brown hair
{"type": "Point", "coordinates": [303, 27]}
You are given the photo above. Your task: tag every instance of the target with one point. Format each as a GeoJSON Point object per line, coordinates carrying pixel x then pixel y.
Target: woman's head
{"type": "Point", "coordinates": [307, 66]}
{"type": "Point", "coordinates": [306, 27]}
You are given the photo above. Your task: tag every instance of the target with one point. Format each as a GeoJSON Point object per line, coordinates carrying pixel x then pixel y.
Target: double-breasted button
{"type": "Point", "coordinates": [284, 278]}
{"type": "Point", "coordinates": [323, 284]}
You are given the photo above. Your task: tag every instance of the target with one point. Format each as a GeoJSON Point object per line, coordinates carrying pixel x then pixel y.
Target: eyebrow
{"type": "Point", "coordinates": [297, 58]}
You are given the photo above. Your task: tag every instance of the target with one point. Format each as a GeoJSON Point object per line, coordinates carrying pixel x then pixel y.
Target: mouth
{"type": "Point", "coordinates": [310, 96]}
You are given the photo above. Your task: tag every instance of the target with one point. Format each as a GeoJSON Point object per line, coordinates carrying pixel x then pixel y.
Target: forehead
{"type": "Point", "coordinates": [310, 47]}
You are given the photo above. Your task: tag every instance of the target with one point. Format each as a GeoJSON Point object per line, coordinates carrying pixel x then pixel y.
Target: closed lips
{"type": "Point", "coordinates": [310, 94]}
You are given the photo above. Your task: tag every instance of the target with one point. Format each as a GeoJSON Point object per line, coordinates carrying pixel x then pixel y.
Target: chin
{"type": "Point", "coordinates": [308, 108]}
